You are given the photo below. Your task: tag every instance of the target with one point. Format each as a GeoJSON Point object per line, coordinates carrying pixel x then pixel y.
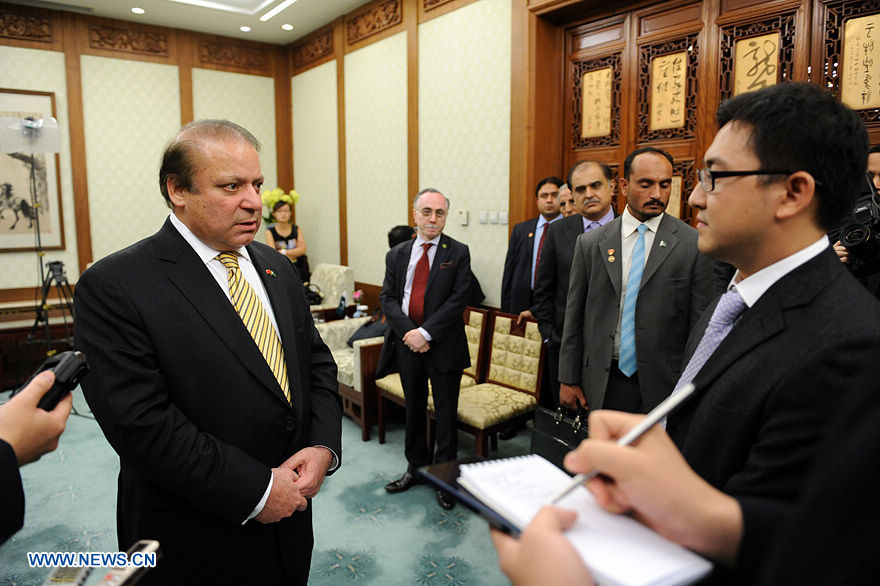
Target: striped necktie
{"type": "Point", "coordinates": [256, 320]}
{"type": "Point", "coordinates": [627, 360]}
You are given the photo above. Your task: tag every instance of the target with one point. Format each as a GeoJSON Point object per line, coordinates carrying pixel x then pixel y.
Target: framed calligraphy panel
{"type": "Point", "coordinates": [687, 77]}
{"type": "Point", "coordinates": [757, 63]}
{"type": "Point", "coordinates": [673, 207]}
{"type": "Point", "coordinates": [860, 71]}
{"type": "Point", "coordinates": [668, 90]}
{"type": "Point", "coordinates": [596, 103]}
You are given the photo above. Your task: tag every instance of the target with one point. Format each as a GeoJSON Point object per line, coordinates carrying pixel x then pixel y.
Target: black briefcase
{"type": "Point", "coordinates": [556, 433]}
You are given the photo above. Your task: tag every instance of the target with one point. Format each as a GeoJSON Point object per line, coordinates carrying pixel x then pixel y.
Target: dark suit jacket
{"type": "Point", "coordinates": [765, 396]}
{"type": "Point", "coordinates": [445, 300]}
{"type": "Point", "coordinates": [831, 535]}
{"type": "Point", "coordinates": [11, 493]}
{"type": "Point", "coordinates": [516, 282]}
{"type": "Point", "coordinates": [185, 398]}
{"type": "Point", "coordinates": [551, 283]}
{"type": "Point", "coordinates": [676, 287]}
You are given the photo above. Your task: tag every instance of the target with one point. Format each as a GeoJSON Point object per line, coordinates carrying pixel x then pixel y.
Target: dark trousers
{"type": "Point", "coordinates": [623, 392]}
{"type": "Point", "coordinates": [550, 384]}
{"type": "Point", "coordinates": [415, 370]}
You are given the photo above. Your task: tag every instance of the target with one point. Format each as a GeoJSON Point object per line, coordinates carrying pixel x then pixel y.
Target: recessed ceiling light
{"type": "Point", "coordinates": [276, 10]}
{"type": "Point", "coordinates": [244, 29]}
{"type": "Point", "coordinates": [287, 27]}
{"type": "Point", "coordinates": [138, 10]}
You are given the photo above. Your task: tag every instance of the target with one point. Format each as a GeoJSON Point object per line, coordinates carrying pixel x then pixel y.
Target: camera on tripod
{"type": "Point", "coordinates": [861, 236]}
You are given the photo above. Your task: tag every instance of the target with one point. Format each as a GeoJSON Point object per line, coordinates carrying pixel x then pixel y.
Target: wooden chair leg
{"type": "Point", "coordinates": [381, 417]}
{"type": "Point", "coordinates": [365, 427]}
{"type": "Point", "coordinates": [482, 443]}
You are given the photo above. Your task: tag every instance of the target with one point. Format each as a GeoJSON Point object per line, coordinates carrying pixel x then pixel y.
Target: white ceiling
{"type": "Point", "coordinates": [219, 17]}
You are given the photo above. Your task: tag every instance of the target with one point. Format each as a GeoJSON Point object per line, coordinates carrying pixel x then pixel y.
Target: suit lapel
{"type": "Point", "coordinates": [440, 257]}
{"type": "Point", "coordinates": [190, 275]}
{"type": "Point", "coordinates": [767, 317]}
{"type": "Point", "coordinates": [402, 263]}
{"type": "Point", "coordinates": [665, 242]}
{"type": "Point", "coordinates": [609, 253]}
{"type": "Point", "coordinates": [278, 291]}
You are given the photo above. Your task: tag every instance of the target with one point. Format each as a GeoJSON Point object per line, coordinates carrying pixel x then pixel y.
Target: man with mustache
{"type": "Point", "coordinates": [423, 297]}
{"type": "Point", "coordinates": [593, 188]}
{"type": "Point", "coordinates": [637, 287]}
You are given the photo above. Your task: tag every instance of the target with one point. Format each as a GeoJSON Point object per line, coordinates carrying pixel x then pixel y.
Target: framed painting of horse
{"type": "Point", "coordinates": [30, 188]}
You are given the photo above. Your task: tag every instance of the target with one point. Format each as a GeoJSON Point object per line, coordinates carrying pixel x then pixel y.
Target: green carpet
{"type": "Point", "coordinates": [363, 535]}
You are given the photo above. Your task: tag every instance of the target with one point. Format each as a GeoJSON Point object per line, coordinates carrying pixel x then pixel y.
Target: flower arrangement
{"type": "Point", "coordinates": [357, 296]}
{"type": "Point", "coordinates": [273, 196]}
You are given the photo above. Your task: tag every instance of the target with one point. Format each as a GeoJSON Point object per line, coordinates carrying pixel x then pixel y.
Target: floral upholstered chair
{"type": "Point", "coordinates": [475, 326]}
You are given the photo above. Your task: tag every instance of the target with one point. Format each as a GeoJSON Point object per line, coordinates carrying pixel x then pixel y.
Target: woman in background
{"type": "Point", "coordinates": [287, 238]}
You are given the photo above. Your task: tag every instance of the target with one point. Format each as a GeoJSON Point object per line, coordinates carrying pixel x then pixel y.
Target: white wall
{"type": "Point", "coordinates": [316, 161]}
{"type": "Point", "coordinates": [375, 152]}
{"type": "Point", "coordinates": [464, 126]}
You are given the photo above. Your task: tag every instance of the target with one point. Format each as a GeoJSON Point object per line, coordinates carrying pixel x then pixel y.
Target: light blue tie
{"type": "Point", "coordinates": [627, 359]}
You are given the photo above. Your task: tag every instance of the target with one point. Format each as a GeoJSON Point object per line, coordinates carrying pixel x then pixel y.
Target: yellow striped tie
{"type": "Point", "coordinates": [255, 319]}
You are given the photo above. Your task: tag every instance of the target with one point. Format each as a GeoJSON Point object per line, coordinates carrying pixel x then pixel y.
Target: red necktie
{"type": "Point", "coordinates": [419, 283]}
{"type": "Point", "coordinates": [540, 247]}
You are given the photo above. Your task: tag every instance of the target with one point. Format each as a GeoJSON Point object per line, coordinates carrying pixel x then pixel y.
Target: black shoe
{"type": "Point", "coordinates": [445, 500]}
{"type": "Point", "coordinates": [403, 483]}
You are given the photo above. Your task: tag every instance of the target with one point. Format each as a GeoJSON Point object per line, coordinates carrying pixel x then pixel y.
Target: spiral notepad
{"type": "Point", "coordinates": [617, 549]}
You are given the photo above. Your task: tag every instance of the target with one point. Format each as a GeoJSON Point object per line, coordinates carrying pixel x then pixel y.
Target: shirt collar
{"type": "Point", "coordinates": [753, 287]}
{"type": "Point", "coordinates": [631, 224]}
{"type": "Point", "coordinates": [419, 240]}
{"type": "Point", "coordinates": [601, 221]}
{"type": "Point", "coordinates": [542, 220]}
{"type": "Point", "coordinates": [205, 252]}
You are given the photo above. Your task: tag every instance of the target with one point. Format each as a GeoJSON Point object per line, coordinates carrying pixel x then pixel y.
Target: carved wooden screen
{"type": "Point", "coordinates": [784, 24]}
{"type": "Point", "coordinates": [688, 173]}
{"type": "Point", "coordinates": [578, 69]}
{"type": "Point", "coordinates": [646, 54]}
{"type": "Point", "coordinates": [833, 17]}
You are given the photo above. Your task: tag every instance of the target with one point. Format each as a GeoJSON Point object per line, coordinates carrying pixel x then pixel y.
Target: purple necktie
{"type": "Point", "coordinates": [729, 308]}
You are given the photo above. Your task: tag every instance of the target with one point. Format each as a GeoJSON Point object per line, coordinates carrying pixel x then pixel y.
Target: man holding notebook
{"type": "Point", "coordinates": [775, 357]}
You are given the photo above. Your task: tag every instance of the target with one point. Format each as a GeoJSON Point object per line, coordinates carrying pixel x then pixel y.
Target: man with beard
{"type": "Point", "coordinates": [637, 287]}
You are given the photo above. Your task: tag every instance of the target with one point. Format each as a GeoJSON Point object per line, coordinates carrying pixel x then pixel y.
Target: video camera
{"type": "Point", "coordinates": [861, 236]}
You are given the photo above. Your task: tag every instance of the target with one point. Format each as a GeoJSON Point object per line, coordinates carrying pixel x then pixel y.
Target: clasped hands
{"type": "Point", "coordinates": [415, 341]}
{"type": "Point", "coordinates": [298, 478]}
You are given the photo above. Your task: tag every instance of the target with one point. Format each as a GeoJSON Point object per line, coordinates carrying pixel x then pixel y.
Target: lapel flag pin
{"type": "Point", "coordinates": [610, 251]}
{"type": "Point", "coordinates": [662, 244]}
{"type": "Point", "coordinates": [270, 272]}
{"type": "Point", "coordinates": [443, 245]}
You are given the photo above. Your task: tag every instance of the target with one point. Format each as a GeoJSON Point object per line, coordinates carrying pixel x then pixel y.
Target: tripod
{"type": "Point", "coordinates": [54, 275]}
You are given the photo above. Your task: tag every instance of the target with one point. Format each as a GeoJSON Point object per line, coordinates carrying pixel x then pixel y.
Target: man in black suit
{"type": "Point", "coordinates": [638, 285]}
{"type": "Point", "coordinates": [593, 187]}
{"type": "Point", "coordinates": [524, 249]}
{"type": "Point", "coordinates": [209, 378]}
{"type": "Point", "coordinates": [26, 433]}
{"type": "Point", "coordinates": [793, 339]}
{"type": "Point", "coordinates": [423, 298]}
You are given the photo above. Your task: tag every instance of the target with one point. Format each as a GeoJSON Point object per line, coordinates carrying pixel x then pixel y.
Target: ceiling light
{"type": "Point", "coordinates": [244, 29]}
{"type": "Point", "coordinates": [276, 10]}
{"type": "Point", "coordinates": [138, 10]}
{"type": "Point", "coordinates": [287, 27]}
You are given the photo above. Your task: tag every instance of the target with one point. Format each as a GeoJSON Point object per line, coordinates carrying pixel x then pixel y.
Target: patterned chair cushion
{"type": "Point", "coordinates": [335, 334]}
{"type": "Point", "coordinates": [392, 384]}
{"type": "Point", "coordinates": [482, 406]}
{"type": "Point", "coordinates": [472, 329]}
{"type": "Point", "coordinates": [345, 365]}
{"type": "Point", "coordinates": [515, 359]}
{"type": "Point", "coordinates": [334, 281]}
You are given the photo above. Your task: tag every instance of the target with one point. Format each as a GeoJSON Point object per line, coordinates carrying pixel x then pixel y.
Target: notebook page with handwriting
{"type": "Point", "coordinates": [617, 549]}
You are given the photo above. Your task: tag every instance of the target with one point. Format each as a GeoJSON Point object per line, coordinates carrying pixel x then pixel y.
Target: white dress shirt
{"type": "Point", "coordinates": [221, 275]}
{"type": "Point", "coordinates": [752, 288]}
{"type": "Point", "coordinates": [414, 256]}
{"type": "Point", "coordinates": [629, 233]}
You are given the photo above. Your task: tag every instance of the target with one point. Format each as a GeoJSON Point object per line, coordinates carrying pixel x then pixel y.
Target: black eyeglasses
{"type": "Point", "coordinates": [707, 177]}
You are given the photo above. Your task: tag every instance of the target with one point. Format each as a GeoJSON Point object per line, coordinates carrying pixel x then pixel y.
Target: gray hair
{"type": "Point", "coordinates": [430, 190]}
